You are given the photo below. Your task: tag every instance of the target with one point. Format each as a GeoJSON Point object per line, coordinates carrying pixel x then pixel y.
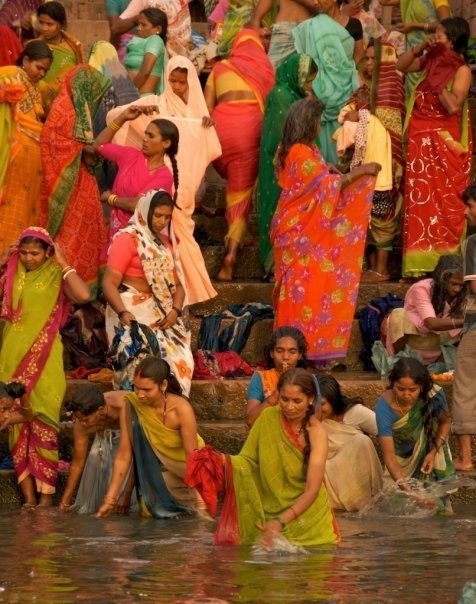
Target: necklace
{"type": "Point", "coordinates": [151, 168]}
{"type": "Point", "coordinates": [400, 408]}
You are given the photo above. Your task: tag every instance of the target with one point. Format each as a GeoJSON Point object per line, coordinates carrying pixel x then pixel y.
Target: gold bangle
{"type": "Point", "coordinates": [293, 511]}
{"type": "Point", "coordinates": [111, 200]}
{"type": "Point", "coordinates": [114, 126]}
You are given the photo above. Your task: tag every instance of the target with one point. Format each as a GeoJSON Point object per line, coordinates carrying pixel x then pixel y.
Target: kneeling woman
{"type": "Point", "coordinates": [143, 283]}
{"type": "Point", "coordinates": [158, 430]}
{"type": "Point", "coordinates": [353, 470]}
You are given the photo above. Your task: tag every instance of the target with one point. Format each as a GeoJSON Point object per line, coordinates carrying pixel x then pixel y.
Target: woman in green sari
{"type": "Point", "coordinates": [35, 286]}
{"type": "Point", "coordinates": [413, 424]}
{"type": "Point", "coordinates": [294, 80]}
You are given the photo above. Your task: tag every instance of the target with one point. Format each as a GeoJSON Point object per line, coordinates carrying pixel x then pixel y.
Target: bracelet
{"type": "Point", "coordinates": [281, 521]}
{"type": "Point", "coordinates": [66, 268]}
{"type": "Point", "coordinates": [293, 511]}
{"type": "Point", "coordinates": [68, 272]}
{"type": "Point", "coordinates": [177, 310]}
{"type": "Point", "coordinates": [114, 126]}
{"type": "Point", "coordinates": [26, 408]}
{"type": "Point", "coordinates": [111, 200]}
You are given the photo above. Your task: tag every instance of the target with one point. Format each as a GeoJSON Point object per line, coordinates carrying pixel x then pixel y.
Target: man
{"type": "Point", "coordinates": [94, 413]}
{"type": "Point", "coordinates": [290, 13]}
{"type": "Point", "coordinates": [464, 389]}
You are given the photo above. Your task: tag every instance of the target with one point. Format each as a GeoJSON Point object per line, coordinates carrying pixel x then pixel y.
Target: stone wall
{"type": "Point", "coordinates": [466, 9]}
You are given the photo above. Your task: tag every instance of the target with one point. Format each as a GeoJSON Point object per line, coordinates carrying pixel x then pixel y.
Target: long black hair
{"type": "Point", "coordinates": [54, 10]}
{"type": "Point", "coordinates": [86, 400]}
{"type": "Point", "coordinates": [158, 370]}
{"type": "Point", "coordinates": [449, 265]}
{"type": "Point", "coordinates": [330, 390]}
{"type": "Point", "coordinates": [169, 132]}
{"type": "Point", "coordinates": [458, 32]}
{"type": "Point", "coordinates": [286, 331]}
{"type": "Point", "coordinates": [158, 18]}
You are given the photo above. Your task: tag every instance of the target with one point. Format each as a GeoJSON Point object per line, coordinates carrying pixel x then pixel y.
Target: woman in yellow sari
{"type": "Point", "coordinates": [67, 51]}
{"type": "Point", "coordinates": [21, 122]}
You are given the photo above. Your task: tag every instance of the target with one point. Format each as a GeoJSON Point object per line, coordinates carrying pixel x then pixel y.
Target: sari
{"type": "Point", "coordinates": [318, 234]}
{"type": "Point", "coordinates": [434, 215]}
{"type": "Point", "coordinates": [248, 68]}
{"type": "Point", "coordinates": [332, 47]}
{"type": "Point", "coordinates": [159, 461]}
{"type": "Point", "coordinates": [34, 309]}
{"type": "Point", "coordinates": [291, 77]}
{"type": "Point", "coordinates": [265, 479]}
{"type": "Point", "coordinates": [69, 203]}
{"type": "Point", "coordinates": [10, 46]}
{"type": "Point", "coordinates": [21, 123]}
{"type": "Point", "coordinates": [162, 270]}
{"type": "Point", "coordinates": [204, 141]}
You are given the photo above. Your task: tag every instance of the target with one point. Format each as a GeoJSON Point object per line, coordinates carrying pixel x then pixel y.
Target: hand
{"type": "Point", "coordinates": [428, 463]}
{"type": "Point", "coordinates": [127, 318]}
{"type": "Point", "coordinates": [354, 6]}
{"type": "Point", "coordinates": [64, 507]}
{"type": "Point", "coordinates": [5, 255]}
{"type": "Point", "coordinates": [105, 195]}
{"type": "Point", "coordinates": [272, 399]}
{"type": "Point", "coordinates": [59, 256]}
{"type": "Point", "coordinates": [270, 529]}
{"type": "Point", "coordinates": [351, 116]}
{"type": "Point", "coordinates": [371, 169]}
{"type": "Point", "coordinates": [135, 110]}
{"type": "Point", "coordinates": [405, 28]}
{"type": "Point", "coordinates": [123, 504]}
{"type": "Point", "coordinates": [168, 320]}
{"type": "Point", "coordinates": [207, 121]}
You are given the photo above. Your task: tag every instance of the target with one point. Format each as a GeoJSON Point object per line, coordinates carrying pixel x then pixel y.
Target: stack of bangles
{"type": "Point", "coordinates": [67, 271]}
{"type": "Point", "coordinates": [114, 126]}
{"type": "Point", "coordinates": [111, 200]}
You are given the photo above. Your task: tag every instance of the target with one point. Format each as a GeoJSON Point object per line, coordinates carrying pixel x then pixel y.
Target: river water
{"type": "Point", "coordinates": [49, 558]}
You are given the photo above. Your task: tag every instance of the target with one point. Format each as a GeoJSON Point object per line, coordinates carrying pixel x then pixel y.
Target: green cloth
{"type": "Point", "coordinates": [291, 77]}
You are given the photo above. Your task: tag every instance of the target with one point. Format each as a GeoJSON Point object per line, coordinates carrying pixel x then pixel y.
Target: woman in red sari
{"type": "Point", "coordinates": [318, 234]}
{"type": "Point", "coordinates": [439, 147]}
{"type": "Point", "coordinates": [235, 94]}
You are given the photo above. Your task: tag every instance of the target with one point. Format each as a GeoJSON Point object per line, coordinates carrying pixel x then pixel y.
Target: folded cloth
{"type": "Point", "coordinates": [204, 472]}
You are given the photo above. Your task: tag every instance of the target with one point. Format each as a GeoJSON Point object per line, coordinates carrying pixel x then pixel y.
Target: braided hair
{"type": "Point", "coordinates": [169, 132]}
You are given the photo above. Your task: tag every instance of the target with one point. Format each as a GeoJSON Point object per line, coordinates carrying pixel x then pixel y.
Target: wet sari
{"type": "Point", "coordinates": [318, 233]}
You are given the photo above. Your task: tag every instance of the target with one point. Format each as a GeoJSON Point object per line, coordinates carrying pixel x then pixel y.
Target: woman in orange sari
{"type": "Point", "coordinates": [318, 234]}
{"type": "Point", "coordinates": [238, 86]}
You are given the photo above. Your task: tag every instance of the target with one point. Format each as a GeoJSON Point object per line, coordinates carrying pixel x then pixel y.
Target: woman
{"type": "Point", "coordinates": [37, 284]}
{"type": "Point", "coordinates": [294, 80]}
{"type": "Point", "coordinates": [67, 51]}
{"type": "Point", "coordinates": [138, 171]}
{"type": "Point", "coordinates": [10, 46]}
{"type": "Point", "coordinates": [433, 313]}
{"type": "Point", "coordinates": [145, 52]}
{"type": "Point", "coordinates": [182, 103]}
{"type": "Point", "coordinates": [143, 283]}
{"type": "Point", "coordinates": [353, 470]}
{"type": "Point", "coordinates": [334, 41]}
{"type": "Point", "coordinates": [235, 93]}
{"type": "Point", "coordinates": [158, 432]}
{"type": "Point", "coordinates": [318, 235]}
{"type": "Point", "coordinates": [373, 127]}
{"type": "Point", "coordinates": [21, 121]}
{"type": "Point", "coordinates": [285, 350]}
{"type": "Point", "coordinates": [69, 203]}
{"type": "Point", "coordinates": [438, 139]}
{"type": "Point", "coordinates": [276, 483]}
{"type": "Point", "coordinates": [413, 426]}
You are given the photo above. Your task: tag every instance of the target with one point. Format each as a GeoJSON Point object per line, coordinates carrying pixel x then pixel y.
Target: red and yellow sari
{"type": "Point", "coordinates": [318, 234]}
{"type": "Point", "coordinates": [437, 171]}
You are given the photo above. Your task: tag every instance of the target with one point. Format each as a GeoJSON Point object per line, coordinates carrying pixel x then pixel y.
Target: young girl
{"type": "Point", "coordinates": [146, 55]}
{"type": "Point", "coordinates": [286, 350]}
{"type": "Point", "coordinates": [353, 470]}
{"type": "Point", "coordinates": [14, 406]}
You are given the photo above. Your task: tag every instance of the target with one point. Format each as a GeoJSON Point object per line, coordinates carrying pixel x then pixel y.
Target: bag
{"type": "Point", "coordinates": [129, 346]}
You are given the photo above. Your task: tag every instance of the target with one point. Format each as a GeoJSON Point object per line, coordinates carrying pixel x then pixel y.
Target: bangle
{"type": "Point", "coordinates": [114, 126]}
{"type": "Point", "coordinates": [66, 268]}
{"type": "Point", "coordinates": [177, 310]}
{"type": "Point", "coordinates": [111, 200]}
{"type": "Point", "coordinates": [281, 521]}
{"type": "Point", "coordinates": [26, 408]}
{"type": "Point", "coordinates": [293, 511]}
{"type": "Point", "coordinates": [68, 272]}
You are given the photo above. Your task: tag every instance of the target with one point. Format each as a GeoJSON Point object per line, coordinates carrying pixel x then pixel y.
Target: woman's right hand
{"type": "Point", "coordinates": [126, 318]}
{"type": "Point", "coordinates": [135, 110]}
{"type": "Point", "coordinates": [371, 169]}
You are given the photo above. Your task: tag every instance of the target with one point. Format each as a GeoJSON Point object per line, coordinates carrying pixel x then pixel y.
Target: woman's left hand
{"type": "Point", "coordinates": [169, 320]}
{"type": "Point", "coordinates": [405, 28]}
{"type": "Point", "coordinates": [59, 256]}
{"type": "Point", "coordinates": [5, 255]}
{"type": "Point", "coordinates": [269, 530]}
{"type": "Point", "coordinates": [207, 121]}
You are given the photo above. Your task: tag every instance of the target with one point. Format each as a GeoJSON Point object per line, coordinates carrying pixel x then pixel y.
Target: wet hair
{"type": "Point", "coordinates": [457, 32]}
{"type": "Point", "coordinates": [301, 126]}
{"type": "Point", "coordinates": [86, 399]}
{"type": "Point", "coordinates": [158, 370]}
{"type": "Point", "coordinates": [40, 242]}
{"type": "Point", "coordinates": [286, 331]}
{"type": "Point", "coordinates": [35, 51]}
{"type": "Point", "coordinates": [307, 382]}
{"type": "Point", "coordinates": [169, 132]}
{"type": "Point", "coordinates": [409, 367]}
{"type": "Point", "coordinates": [469, 194]}
{"type": "Point", "coordinates": [12, 390]}
{"type": "Point", "coordinates": [448, 266]}
{"type": "Point", "coordinates": [158, 18]}
{"type": "Point", "coordinates": [54, 10]}
{"type": "Point", "coordinates": [330, 390]}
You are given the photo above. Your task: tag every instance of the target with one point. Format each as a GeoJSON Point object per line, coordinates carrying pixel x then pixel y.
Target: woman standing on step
{"type": "Point", "coordinates": [36, 286]}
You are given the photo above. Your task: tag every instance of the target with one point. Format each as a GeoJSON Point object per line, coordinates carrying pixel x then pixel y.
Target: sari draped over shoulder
{"type": "Point", "coordinates": [10, 46]}
{"type": "Point", "coordinates": [35, 308]}
{"type": "Point", "coordinates": [70, 205]}
{"type": "Point", "coordinates": [438, 168]}
{"type": "Point", "coordinates": [291, 77]}
{"type": "Point", "coordinates": [264, 480]}
{"type": "Point", "coordinates": [332, 48]}
{"type": "Point", "coordinates": [159, 459]}
{"type": "Point", "coordinates": [192, 135]}
{"type": "Point", "coordinates": [318, 234]}
{"type": "Point", "coordinates": [21, 123]}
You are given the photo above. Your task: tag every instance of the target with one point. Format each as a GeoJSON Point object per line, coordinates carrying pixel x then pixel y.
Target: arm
{"type": "Point", "coordinates": [359, 51]}
{"type": "Point", "coordinates": [75, 288]}
{"type": "Point", "coordinates": [388, 451]}
{"type": "Point", "coordinates": [121, 26]}
{"type": "Point", "coordinates": [122, 465]}
{"type": "Point", "coordinates": [110, 287]}
{"type": "Point", "coordinates": [442, 12]}
{"type": "Point", "coordinates": [452, 100]}
{"type": "Point", "coordinates": [262, 8]}
{"type": "Point", "coordinates": [370, 169]}
{"type": "Point", "coordinates": [131, 113]}
{"type": "Point", "coordinates": [389, 2]}
{"type": "Point", "coordinates": [444, 427]}
{"type": "Point", "coordinates": [177, 303]}
{"type": "Point", "coordinates": [188, 427]}
{"type": "Point", "coordinates": [80, 454]}
{"type": "Point", "coordinates": [409, 61]}
{"type": "Point", "coordinates": [446, 324]}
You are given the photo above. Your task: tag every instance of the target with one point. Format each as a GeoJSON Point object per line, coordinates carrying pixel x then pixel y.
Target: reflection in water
{"type": "Point", "coordinates": [50, 558]}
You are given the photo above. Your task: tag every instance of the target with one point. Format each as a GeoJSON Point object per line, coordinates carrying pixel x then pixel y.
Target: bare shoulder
{"type": "Point", "coordinates": [116, 398]}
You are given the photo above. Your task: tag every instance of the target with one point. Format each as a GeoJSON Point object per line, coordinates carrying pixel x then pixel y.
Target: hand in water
{"type": "Point", "coordinates": [269, 529]}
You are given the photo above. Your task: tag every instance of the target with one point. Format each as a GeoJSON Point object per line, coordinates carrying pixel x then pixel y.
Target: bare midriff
{"type": "Point", "coordinates": [137, 283]}
{"type": "Point", "coordinates": [294, 12]}
{"type": "Point", "coordinates": [237, 95]}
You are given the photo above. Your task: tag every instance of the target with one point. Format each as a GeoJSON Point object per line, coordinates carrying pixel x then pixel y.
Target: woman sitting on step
{"type": "Point", "coordinates": [158, 432]}
{"type": "Point", "coordinates": [353, 469]}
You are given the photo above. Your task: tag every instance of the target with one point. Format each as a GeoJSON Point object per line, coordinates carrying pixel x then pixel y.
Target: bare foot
{"type": "Point", "coordinates": [227, 268]}
{"type": "Point", "coordinates": [463, 467]}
